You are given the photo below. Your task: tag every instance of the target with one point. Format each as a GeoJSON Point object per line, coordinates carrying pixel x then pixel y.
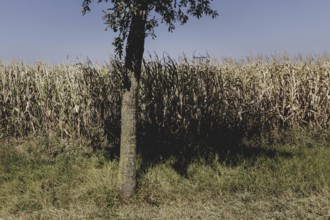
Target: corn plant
{"type": "Point", "coordinates": [186, 100]}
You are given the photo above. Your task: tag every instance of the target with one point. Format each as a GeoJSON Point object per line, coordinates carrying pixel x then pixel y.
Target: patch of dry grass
{"type": "Point", "coordinates": [294, 183]}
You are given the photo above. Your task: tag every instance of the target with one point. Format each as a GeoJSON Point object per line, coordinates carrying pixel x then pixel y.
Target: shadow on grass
{"type": "Point", "coordinates": [225, 145]}
{"type": "Point", "coordinates": [157, 145]}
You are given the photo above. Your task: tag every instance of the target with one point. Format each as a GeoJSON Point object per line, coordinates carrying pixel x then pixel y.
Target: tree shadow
{"type": "Point", "coordinates": [157, 145]}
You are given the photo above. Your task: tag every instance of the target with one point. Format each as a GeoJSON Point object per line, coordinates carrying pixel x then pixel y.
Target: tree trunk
{"type": "Point", "coordinates": [128, 139]}
{"type": "Point", "coordinates": [127, 163]}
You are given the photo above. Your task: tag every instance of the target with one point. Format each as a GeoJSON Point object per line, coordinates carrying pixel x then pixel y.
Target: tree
{"type": "Point", "coordinates": [134, 20]}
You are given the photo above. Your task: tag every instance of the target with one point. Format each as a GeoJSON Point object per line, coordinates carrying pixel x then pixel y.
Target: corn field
{"type": "Point", "coordinates": [185, 100]}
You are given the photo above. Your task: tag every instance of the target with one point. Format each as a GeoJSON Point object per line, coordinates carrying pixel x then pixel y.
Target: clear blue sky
{"type": "Point", "coordinates": [51, 30]}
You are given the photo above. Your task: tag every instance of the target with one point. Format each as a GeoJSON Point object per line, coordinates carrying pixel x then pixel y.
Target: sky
{"type": "Point", "coordinates": [56, 32]}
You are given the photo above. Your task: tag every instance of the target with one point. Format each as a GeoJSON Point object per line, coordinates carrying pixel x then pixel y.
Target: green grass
{"type": "Point", "coordinates": [292, 183]}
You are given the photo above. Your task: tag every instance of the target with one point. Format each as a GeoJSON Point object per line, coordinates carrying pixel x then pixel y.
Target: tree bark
{"type": "Point", "coordinates": [127, 163]}
{"type": "Point", "coordinates": [128, 139]}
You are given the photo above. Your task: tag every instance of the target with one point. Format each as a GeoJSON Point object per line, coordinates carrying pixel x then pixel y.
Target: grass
{"type": "Point", "coordinates": [291, 183]}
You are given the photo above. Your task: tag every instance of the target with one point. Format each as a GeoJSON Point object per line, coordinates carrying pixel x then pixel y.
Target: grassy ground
{"type": "Point", "coordinates": [291, 183]}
